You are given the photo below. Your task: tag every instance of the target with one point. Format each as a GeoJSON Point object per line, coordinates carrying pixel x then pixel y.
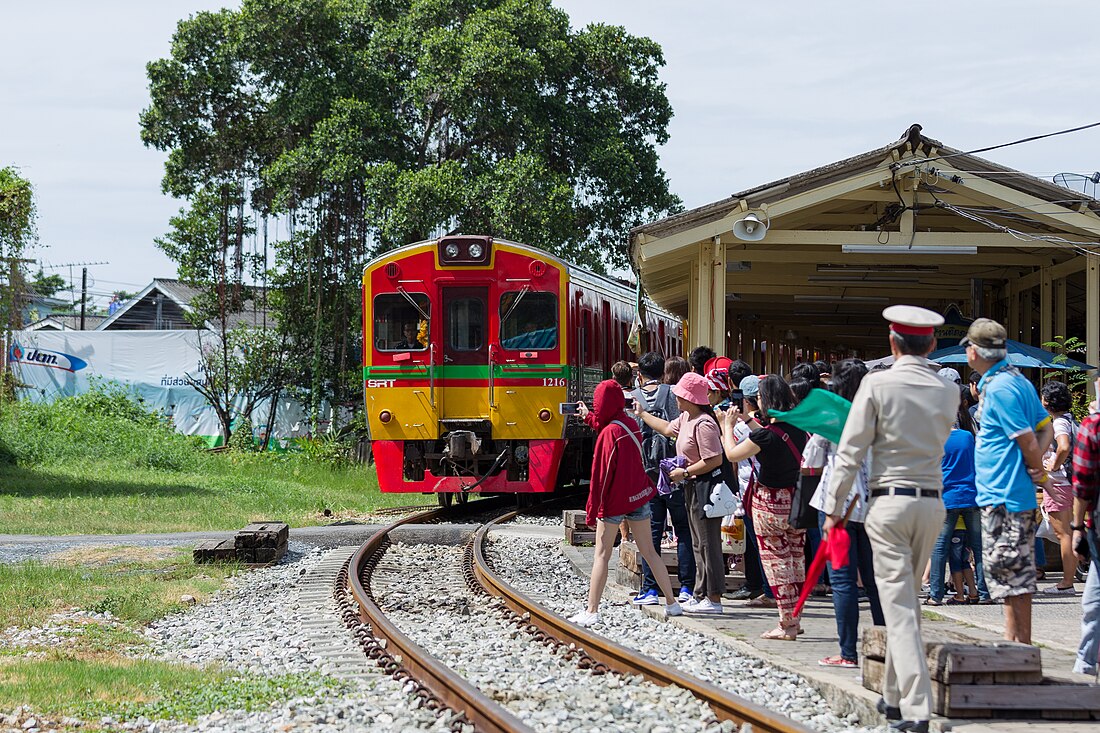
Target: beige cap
{"type": "Point", "coordinates": [911, 320]}
{"type": "Point", "coordinates": [987, 333]}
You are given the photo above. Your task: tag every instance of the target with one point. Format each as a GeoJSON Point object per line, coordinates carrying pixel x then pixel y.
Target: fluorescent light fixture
{"type": "Point", "coordinates": [901, 249]}
{"type": "Point", "coordinates": [840, 299]}
{"type": "Point", "coordinates": [855, 280]}
{"type": "Point", "coordinates": [885, 269]}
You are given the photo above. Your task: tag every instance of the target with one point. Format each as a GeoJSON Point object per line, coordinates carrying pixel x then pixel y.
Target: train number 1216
{"type": "Point", "coordinates": [553, 382]}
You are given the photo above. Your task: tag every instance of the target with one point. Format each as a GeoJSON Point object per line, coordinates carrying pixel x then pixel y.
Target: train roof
{"type": "Point", "coordinates": [576, 273]}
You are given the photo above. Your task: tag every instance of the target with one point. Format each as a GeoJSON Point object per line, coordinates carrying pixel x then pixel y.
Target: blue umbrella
{"type": "Point", "coordinates": [1020, 355]}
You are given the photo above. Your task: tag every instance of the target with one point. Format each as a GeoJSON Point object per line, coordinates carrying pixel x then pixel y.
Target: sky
{"type": "Point", "coordinates": [760, 91]}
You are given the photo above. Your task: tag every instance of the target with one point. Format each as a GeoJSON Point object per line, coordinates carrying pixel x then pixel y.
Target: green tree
{"type": "Point", "coordinates": [47, 285]}
{"type": "Point", "coordinates": [238, 371]}
{"type": "Point", "coordinates": [367, 124]}
{"type": "Point", "coordinates": [18, 231]}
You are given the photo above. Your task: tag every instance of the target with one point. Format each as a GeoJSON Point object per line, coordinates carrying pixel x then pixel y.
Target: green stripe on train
{"type": "Point", "coordinates": [471, 371]}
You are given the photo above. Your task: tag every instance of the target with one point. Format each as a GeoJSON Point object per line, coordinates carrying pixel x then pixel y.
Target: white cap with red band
{"type": "Point", "coordinates": [910, 320]}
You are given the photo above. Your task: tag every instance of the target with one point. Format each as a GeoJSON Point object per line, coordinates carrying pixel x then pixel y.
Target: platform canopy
{"type": "Point", "coordinates": [912, 222]}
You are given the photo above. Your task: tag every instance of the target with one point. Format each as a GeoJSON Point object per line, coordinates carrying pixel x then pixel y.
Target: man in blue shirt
{"type": "Point", "coordinates": [1014, 432]}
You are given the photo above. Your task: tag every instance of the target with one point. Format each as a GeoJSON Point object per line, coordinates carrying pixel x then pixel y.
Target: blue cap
{"type": "Point", "coordinates": [750, 385]}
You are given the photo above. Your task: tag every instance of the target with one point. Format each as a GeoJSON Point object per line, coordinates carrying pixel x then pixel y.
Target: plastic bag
{"type": "Point", "coordinates": [1046, 530]}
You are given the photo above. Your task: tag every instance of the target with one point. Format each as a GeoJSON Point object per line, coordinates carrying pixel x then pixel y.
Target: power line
{"type": "Point", "coordinates": [1002, 145]}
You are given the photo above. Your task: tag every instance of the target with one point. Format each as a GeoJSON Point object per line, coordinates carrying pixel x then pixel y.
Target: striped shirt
{"type": "Point", "coordinates": [1086, 462]}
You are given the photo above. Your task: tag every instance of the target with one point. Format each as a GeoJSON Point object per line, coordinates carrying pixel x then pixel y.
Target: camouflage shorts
{"type": "Point", "coordinates": [1008, 551]}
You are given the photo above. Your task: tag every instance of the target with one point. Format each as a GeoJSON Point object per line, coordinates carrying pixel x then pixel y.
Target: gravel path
{"type": "Point", "coordinates": [258, 625]}
{"type": "Point", "coordinates": [468, 632]}
{"type": "Point", "coordinates": [538, 568]}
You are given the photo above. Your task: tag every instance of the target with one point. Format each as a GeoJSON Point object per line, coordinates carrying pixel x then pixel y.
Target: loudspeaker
{"type": "Point", "coordinates": [749, 228]}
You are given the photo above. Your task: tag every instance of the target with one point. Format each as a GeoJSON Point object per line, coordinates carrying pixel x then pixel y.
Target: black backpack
{"type": "Point", "coordinates": [656, 447]}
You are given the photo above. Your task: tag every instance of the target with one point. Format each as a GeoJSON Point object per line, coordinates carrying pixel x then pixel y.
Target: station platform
{"type": "Point", "coordinates": [1056, 631]}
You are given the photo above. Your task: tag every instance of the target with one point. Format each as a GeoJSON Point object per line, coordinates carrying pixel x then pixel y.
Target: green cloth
{"type": "Point", "coordinates": [822, 412]}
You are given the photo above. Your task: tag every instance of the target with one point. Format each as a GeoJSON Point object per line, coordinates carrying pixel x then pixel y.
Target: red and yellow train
{"type": "Point", "coordinates": [471, 348]}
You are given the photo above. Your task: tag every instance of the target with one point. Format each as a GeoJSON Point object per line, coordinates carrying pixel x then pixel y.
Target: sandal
{"type": "Point", "coordinates": [779, 634]}
{"type": "Point", "coordinates": [838, 662]}
{"type": "Point", "coordinates": [972, 600]}
{"type": "Point", "coordinates": [953, 601]}
{"type": "Point", "coordinates": [762, 602]}
{"type": "Point", "coordinates": [930, 601]}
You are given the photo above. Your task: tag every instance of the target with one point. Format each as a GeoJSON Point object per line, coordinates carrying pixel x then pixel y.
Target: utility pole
{"type": "Point", "coordinates": [83, 295]}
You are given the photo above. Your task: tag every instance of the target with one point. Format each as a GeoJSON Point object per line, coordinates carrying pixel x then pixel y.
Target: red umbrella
{"type": "Point", "coordinates": [834, 548]}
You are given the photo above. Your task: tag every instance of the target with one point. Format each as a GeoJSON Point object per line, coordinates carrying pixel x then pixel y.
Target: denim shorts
{"type": "Point", "coordinates": [642, 512]}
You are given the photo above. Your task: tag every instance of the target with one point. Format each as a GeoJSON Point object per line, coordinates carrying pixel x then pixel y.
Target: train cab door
{"type": "Point", "coordinates": [464, 366]}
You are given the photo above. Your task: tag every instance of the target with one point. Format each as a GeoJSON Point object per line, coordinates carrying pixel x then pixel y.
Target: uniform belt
{"type": "Point", "coordinates": [905, 491]}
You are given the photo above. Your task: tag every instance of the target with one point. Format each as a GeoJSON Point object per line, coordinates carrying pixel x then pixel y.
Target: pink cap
{"type": "Point", "coordinates": [693, 388]}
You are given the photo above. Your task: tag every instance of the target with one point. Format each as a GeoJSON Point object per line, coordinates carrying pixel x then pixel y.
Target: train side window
{"type": "Point", "coordinates": [532, 323]}
{"type": "Point", "coordinates": [398, 325]}
{"type": "Point", "coordinates": [466, 324]}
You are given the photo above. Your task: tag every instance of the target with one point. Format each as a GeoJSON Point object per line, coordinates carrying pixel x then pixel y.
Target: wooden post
{"type": "Point", "coordinates": [718, 294]}
{"type": "Point", "coordinates": [1092, 315]}
{"type": "Point", "coordinates": [1046, 301]}
{"type": "Point", "coordinates": [1060, 307]}
{"type": "Point", "coordinates": [1012, 306]}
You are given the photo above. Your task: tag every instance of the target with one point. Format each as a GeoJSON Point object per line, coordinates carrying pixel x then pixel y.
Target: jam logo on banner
{"type": "Point", "coordinates": [45, 358]}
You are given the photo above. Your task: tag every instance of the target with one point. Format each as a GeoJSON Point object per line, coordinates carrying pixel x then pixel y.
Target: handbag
{"type": "Point", "coordinates": [721, 502]}
{"type": "Point", "coordinates": [802, 516]}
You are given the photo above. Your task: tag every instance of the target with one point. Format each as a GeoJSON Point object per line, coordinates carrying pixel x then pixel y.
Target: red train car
{"type": "Point", "coordinates": [471, 346]}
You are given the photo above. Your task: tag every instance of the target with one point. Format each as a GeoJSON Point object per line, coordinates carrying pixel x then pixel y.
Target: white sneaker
{"type": "Point", "coordinates": [584, 618]}
{"type": "Point", "coordinates": [685, 596]}
{"type": "Point", "coordinates": [673, 609]}
{"type": "Point", "coordinates": [704, 606]}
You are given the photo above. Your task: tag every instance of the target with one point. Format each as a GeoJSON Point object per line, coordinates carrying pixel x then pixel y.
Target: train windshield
{"type": "Point", "coordinates": [401, 325]}
{"type": "Point", "coordinates": [530, 323]}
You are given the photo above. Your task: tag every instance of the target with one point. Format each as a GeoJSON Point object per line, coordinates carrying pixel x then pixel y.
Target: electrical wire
{"type": "Point", "coordinates": [1022, 236]}
{"type": "Point", "coordinates": [1033, 138]}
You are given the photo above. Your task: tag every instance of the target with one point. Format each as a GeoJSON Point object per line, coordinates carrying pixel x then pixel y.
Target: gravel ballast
{"type": "Point", "coordinates": [538, 568]}
{"type": "Point", "coordinates": [469, 632]}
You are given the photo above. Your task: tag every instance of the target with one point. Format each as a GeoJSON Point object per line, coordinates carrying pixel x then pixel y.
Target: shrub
{"type": "Point", "coordinates": [104, 423]}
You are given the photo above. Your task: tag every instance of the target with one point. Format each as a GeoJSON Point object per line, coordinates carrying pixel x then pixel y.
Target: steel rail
{"type": "Point", "coordinates": [726, 706]}
{"type": "Point", "coordinates": [440, 680]}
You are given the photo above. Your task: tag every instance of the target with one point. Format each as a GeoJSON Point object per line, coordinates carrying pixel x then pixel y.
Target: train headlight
{"type": "Point", "coordinates": [476, 251]}
{"type": "Point", "coordinates": [452, 250]}
{"type": "Point", "coordinates": [385, 416]}
{"type": "Point", "coordinates": [545, 415]}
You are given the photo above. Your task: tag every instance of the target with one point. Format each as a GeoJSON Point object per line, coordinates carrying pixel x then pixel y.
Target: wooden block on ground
{"type": "Point", "coordinates": [963, 700]}
{"type": "Point", "coordinates": [575, 518]}
{"type": "Point", "coordinates": [873, 672]}
{"type": "Point", "coordinates": [263, 534]}
{"type": "Point", "coordinates": [955, 658]}
{"type": "Point", "coordinates": [204, 552]}
{"type": "Point", "coordinates": [580, 537]}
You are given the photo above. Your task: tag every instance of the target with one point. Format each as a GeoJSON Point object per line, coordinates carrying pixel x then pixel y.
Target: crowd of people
{"type": "Point", "coordinates": [932, 478]}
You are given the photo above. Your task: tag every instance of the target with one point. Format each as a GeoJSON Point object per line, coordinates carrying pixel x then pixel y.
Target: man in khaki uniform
{"type": "Point", "coordinates": [905, 414]}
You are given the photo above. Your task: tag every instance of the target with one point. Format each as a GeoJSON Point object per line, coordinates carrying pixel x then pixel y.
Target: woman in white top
{"type": "Point", "coordinates": [820, 453]}
{"type": "Point", "coordinates": [1058, 493]}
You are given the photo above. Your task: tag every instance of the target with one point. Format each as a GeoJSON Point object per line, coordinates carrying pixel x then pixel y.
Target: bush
{"type": "Point", "coordinates": [104, 423]}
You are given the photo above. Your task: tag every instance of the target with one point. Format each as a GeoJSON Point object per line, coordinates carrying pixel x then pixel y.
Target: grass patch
{"type": "Point", "coordinates": [135, 590]}
{"type": "Point", "coordinates": [127, 689]}
{"type": "Point", "coordinates": [99, 464]}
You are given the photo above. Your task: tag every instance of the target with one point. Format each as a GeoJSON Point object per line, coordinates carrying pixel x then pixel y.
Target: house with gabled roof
{"type": "Point", "coordinates": [165, 305]}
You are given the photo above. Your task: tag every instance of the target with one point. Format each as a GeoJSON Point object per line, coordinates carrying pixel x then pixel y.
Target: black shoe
{"type": "Point", "coordinates": [910, 726]}
{"type": "Point", "coordinates": [741, 594]}
{"type": "Point", "coordinates": [890, 712]}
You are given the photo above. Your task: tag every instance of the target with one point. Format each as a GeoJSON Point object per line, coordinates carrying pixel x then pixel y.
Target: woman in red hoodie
{"type": "Point", "coordinates": [619, 489]}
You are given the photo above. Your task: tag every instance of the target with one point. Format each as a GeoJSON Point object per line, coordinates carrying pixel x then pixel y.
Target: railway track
{"type": "Point", "coordinates": [440, 687]}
